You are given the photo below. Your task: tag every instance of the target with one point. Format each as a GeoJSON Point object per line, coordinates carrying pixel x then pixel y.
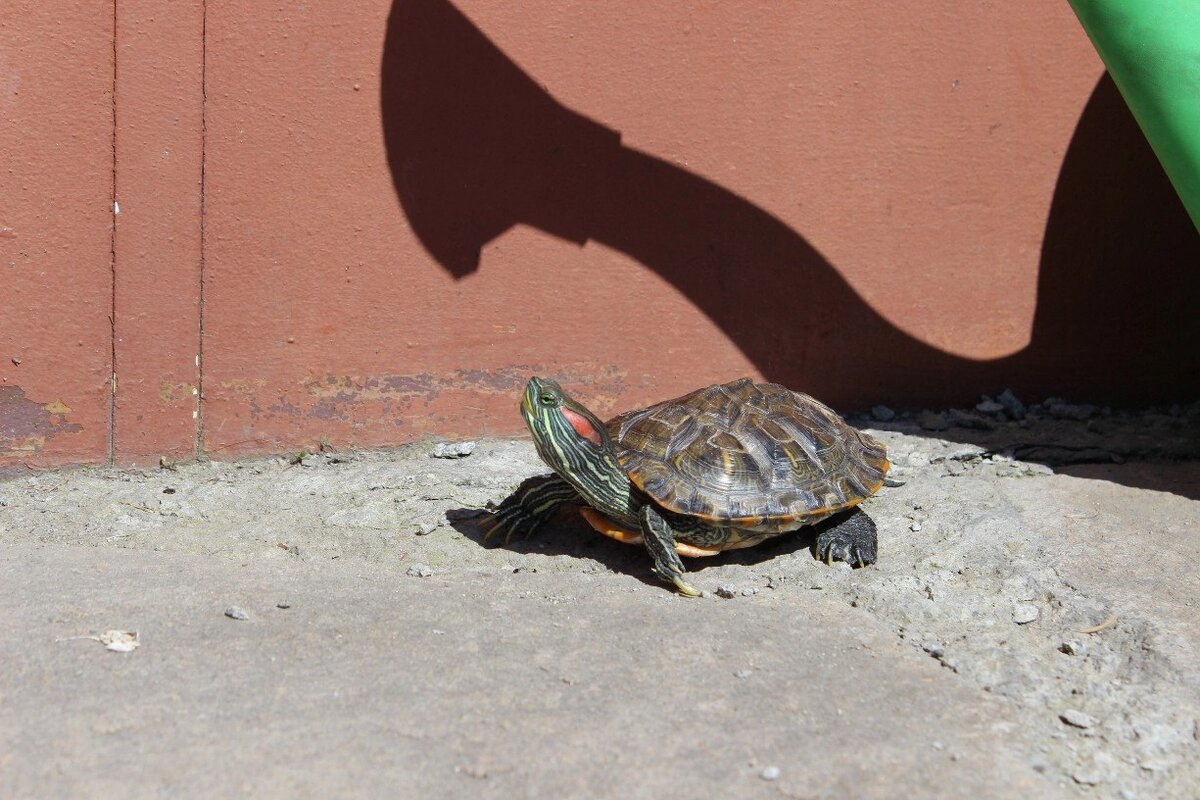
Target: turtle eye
{"type": "Point", "coordinates": [547, 399]}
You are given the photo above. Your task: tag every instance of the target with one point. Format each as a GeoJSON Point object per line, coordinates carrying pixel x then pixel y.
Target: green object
{"type": "Point", "coordinates": [1152, 51]}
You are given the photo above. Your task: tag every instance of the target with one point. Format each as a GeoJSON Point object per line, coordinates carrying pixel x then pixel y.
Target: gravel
{"type": "Point", "coordinates": [883, 414]}
{"type": "Point", "coordinates": [989, 406]}
{"type": "Point", "coordinates": [934, 421]}
{"type": "Point", "coordinates": [237, 612]}
{"type": "Point", "coordinates": [1077, 719]}
{"type": "Point", "coordinates": [1072, 647]}
{"type": "Point", "coordinates": [1025, 613]}
{"type": "Point", "coordinates": [1012, 405]}
{"type": "Point", "coordinates": [453, 449]}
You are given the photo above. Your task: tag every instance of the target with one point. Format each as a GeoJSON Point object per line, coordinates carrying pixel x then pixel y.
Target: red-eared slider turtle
{"type": "Point", "coordinates": [721, 468]}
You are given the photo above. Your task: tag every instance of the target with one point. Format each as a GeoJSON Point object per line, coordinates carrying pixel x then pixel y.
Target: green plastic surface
{"type": "Point", "coordinates": [1152, 51]}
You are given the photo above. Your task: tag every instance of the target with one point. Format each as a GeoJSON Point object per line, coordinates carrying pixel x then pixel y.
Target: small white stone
{"type": "Point", "coordinates": [915, 527]}
{"type": "Point", "coordinates": [1077, 719]}
{"type": "Point", "coordinates": [1025, 613]}
{"type": "Point", "coordinates": [1072, 647]}
{"type": "Point", "coordinates": [770, 774]}
{"type": "Point", "coordinates": [453, 449]}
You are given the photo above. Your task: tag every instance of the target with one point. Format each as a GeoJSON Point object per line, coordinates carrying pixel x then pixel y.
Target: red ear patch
{"type": "Point", "coordinates": [582, 426]}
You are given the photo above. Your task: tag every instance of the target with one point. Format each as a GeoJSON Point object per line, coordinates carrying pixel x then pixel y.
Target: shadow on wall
{"type": "Point", "coordinates": [476, 147]}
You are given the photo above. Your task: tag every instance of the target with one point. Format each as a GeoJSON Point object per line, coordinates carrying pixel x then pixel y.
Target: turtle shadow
{"type": "Point", "coordinates": [567, 534]}
{"type": "Point", "coordinates": [564, 534]}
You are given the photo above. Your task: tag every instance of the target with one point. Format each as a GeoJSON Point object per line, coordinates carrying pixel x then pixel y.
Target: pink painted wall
{"type": "Point", "coordinates": [56, 169]}
{"type": "Point", "coordinates": [408, 207]}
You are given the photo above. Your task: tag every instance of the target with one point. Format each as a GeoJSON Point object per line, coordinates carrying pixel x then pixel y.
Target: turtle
{"type": "Point", "coordinates": [720, 468]}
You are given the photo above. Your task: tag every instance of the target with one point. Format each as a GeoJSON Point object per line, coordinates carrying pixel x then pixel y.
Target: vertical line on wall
{"type": "Point", "coordinates": [114, 210]}
{"type": "Point", "coordinates": [203, 238]}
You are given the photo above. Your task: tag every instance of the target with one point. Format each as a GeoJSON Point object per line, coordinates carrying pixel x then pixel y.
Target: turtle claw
{"type": "Point", "coordinates": [852, 540]}
{"type": "Point", "coordinates": [844, 548]}
{"type": "Point", "coordinates": [512, 521]}
{"type": "Point", "coordinates": [685, 588]}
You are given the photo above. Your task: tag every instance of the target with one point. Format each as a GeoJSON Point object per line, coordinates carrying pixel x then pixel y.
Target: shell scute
{"type": "Point", "coordinates": [746, 455]}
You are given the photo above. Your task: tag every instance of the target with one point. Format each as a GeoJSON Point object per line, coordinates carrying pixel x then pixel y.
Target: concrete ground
{"type": "Point", "coordinates": [1028, 631]}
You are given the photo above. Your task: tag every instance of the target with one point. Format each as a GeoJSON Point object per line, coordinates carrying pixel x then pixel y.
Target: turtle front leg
{"type": "Point", "coordinates": [534, 502]}
{"type": "Point", "coordinates": [660, 541]}
{"type": "Point", "coordinates": [852, 539]}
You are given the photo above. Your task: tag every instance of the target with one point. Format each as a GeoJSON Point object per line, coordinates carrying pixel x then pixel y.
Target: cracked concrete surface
{"type": "Point", "coordinates": [1025, 633]}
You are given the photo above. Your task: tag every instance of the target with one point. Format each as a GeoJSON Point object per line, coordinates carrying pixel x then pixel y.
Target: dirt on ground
{"type": "Point", "coordinates": [333, 624]}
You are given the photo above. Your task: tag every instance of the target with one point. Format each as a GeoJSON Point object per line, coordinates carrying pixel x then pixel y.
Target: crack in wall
{"type": "Point", "coordinates": [114, 210]}
{"type": "Point", "coordinates": [199, 406]}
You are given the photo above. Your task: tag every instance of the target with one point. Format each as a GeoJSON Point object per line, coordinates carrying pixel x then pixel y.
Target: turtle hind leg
{"type": "Point", "coordinates": [534, 502]}
{"type": "Point", "coordinates": [852, 539]}
{"type": "Point", "coordinates": [660, 542]}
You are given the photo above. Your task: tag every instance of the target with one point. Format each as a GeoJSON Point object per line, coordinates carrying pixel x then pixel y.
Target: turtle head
{"type": "Point", "coordinates": [575, 444]}
{"type": "Point", "coordinates": [558, 422]}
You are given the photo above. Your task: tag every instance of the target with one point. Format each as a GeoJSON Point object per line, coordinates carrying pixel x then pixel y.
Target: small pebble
{"type": "Point", "coordinates": [749, 591]}
{"type": "Point", "coordinates": [931, 421]}
{"type": "Point", "coordinates": [237, 612]}
{"type": "Point", "coordinates": [988, 406]}
{"type": "Point", "coordinates": [1077, 719]}
{"type": "Point", "coordinates": [969, 419]}
{"type": "Point", "coordinates": [1071, 411]}
{"type": "Point", "coordinates": [1128, 794]}
{"type": "Point", "coordinates": [1072, 647]}
{"type": "Point", "coordinates": [1014, 407]}
{"type": "Point", "coordinates": [453, 449]}
{"type": "Point", "coordinates": [743, 673]}
{"type": "Point", "coordinates": [283, 604]}
{"type": "Point", "coordinates": [728, 592]}
{"type": "Point", "coordinates": [420, 571]}
{"type": "Point", "coordinates": [939, 745]}
{"type": "Point", "coordinates": [883, 413]}
{"type": "Point", "coordinates": [311, 460]}
{"type": "Point", "coordinates": [770, 774]}
{"type": "Point", "coordinates": [918, 459]}
{"type": "Point", "coordinates": [1086, 777]}
{"type": "Point", "coordinates": [426, 528]}
{"type": "Point", "coordinates": [1025, 613]}
{"type": "Point", "coordinates": [915, 527]}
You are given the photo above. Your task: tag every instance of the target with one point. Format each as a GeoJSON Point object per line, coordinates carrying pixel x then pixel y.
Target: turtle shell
{"type": "Point", "coordinates": [758, 457]}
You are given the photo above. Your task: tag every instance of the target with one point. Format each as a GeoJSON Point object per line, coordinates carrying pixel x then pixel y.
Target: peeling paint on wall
{"type": "Point", "coordinates": [26, 425]}
{"type": "Point", "coordinates": [509, 380]}
{"type": "Point", "coordinates": [367, 410]}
